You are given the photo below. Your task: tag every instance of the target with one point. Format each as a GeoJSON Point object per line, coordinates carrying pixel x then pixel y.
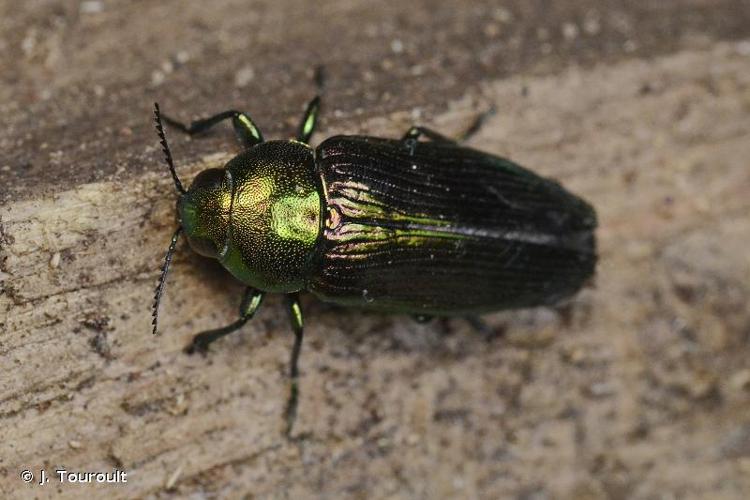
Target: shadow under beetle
{"type": "Point", "coordinates": [427, 228]}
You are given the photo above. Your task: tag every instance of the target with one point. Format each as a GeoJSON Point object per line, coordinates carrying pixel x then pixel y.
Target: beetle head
{"type": "Point", "coordinates": [204, 210]}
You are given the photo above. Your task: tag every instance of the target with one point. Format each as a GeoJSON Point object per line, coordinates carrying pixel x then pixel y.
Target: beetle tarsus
{"type": "Point", "coordinates": [290, 413]}
{"type": "Point", "coordinates": [476, 125]}
{"type": "Point", "coordinates": [201, 341]}
{"type": "Point", "coordinates": [198, 345]}
{"type": "Point", "coordinates": [251, 301]}
{"type": "Point", "coordinates": [319, 76]}
{"type": "Point", "coordinates": [295, 314]}
{"type": "Point", "coordinates": [411, 137]}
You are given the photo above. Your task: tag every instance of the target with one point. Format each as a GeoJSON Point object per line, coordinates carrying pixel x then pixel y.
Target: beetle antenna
{"type": "Point", "coordinates": [163, 279]}
{"type": "Point", "coordinates": [165, 148]}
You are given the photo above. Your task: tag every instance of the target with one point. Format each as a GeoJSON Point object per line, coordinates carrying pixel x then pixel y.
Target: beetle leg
{"type": "Point", "coordinates": [411, 137]}
{"type": "Point", "coordinates": [309, 120]}
{"type": "Point", "coordinates": [483, 328]}
{"type": "Point", "coordinates": [244, 127]}
{"type": "Point", "coordinates": [414, 133]}
{"type": "Point", "coordinates": [250, 303]}
{"type": "Point", "coordinates": [476, 125]}
{"type": "Point", "coordinates": [295, 314]}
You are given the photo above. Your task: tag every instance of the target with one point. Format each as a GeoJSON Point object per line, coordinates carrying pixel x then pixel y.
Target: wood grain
{"type": "Point", "coordinates": [640, 386]}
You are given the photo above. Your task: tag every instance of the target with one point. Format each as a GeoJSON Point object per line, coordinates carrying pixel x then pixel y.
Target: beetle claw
{"type": "Point", "coordinates": [197, 346]}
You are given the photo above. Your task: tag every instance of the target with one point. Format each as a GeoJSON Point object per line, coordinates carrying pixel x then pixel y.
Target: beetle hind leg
{"type": "Point", "coordinates": [476, 125]}
{"type": "Point", "coordinates": [245, 129]}
{"type": "Point", "coordinates": [250, 303]}
{"type": "Point", "coordinates": [415, 132]}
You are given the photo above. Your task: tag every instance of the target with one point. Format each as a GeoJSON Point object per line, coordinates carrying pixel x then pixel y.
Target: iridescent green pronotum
{"type": "Point", "coordinates": [426, 228]}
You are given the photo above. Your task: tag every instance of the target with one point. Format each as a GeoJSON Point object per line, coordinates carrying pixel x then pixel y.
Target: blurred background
{"type": "Point", "coordinates": [638, 388]}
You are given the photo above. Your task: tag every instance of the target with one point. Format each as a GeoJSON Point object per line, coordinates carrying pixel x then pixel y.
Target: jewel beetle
{"type": "Point", "coordinates": [420, 225]}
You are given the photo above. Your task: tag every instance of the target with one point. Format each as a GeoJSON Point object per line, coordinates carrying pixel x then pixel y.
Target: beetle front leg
{"type": "Point", "coordinates": [250, 303]}
{"type": "Point", "coordinates": [309, 120]}
{"type": "Point", "coordinates": [245, 129]}
{"type": "Point", "coordinates": [295, 314]}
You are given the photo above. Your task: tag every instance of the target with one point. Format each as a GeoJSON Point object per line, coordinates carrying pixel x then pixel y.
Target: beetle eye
{"type": "Point", "coordinates": [203, 246]}
{"type": "Point", "coordinates": [209, 179]}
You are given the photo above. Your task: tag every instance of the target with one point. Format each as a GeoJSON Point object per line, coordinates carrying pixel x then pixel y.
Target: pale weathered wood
{"type": "Point", "coordinates": [640, 387]}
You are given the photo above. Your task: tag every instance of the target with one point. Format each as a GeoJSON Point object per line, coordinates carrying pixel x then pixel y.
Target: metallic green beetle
{"type": "Point", "coordinates": [427, 228]}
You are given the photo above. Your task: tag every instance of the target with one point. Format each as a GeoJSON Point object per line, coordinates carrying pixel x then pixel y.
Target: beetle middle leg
{"type": "Point", "coordinates": [250, 303]}
{"type": "Point", "coordinates": [245, 129]}
{"type": "Point", "coordinates": [295, 314]}
{"type": "Point", "coordinates": [309, 120]}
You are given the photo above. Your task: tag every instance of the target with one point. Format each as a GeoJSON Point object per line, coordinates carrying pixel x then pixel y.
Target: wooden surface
{"type": "Point", "coordinates": [639, 388]}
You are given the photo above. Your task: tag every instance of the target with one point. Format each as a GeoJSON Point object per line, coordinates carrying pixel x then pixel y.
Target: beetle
{"type": "Point", "coordinates": [423, 227]}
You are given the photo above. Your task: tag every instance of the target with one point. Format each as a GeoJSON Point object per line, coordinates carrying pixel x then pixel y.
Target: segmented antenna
{"type": "Point", "coordinates": [165, 148]}
{"type": "Point", "coordinates": [163, 279]}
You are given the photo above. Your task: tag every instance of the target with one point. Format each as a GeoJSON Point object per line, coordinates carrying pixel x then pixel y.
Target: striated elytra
{"type": "Point", "coordinates": [421, 227]}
